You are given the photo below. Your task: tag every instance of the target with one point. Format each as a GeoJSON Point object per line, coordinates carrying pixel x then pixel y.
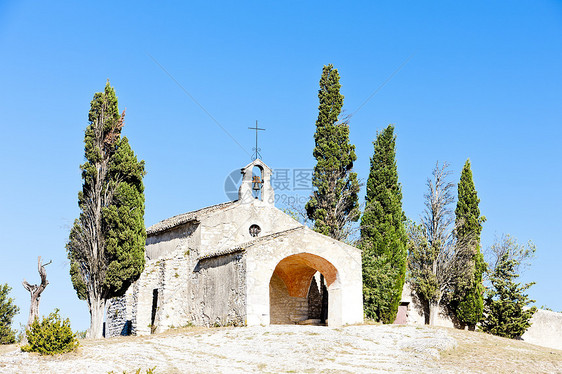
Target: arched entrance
{"type": "Point", "coordinates": [304, 287]}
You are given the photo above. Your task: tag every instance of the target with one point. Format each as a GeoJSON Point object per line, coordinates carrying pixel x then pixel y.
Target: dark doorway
{"type": "Point", "coordinates": [154, 309]}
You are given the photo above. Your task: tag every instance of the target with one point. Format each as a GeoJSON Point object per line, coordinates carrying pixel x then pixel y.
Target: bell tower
{"type": "Point", "coordinates": [258, 187]}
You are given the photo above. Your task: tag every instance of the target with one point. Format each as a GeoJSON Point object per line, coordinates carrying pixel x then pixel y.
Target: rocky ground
{"type": "Point", "coordinates": [296, 349]}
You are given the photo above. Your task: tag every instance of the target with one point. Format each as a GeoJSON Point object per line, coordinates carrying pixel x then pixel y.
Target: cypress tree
{"type": "Point", "coordinates": [106, 243]}
{"type": "Point", "coordinates": [334, 203]}
{"type": "Point", "coordinates": [383, 235]}
{"type": "Point", "coordinates": [504, 313]}
{"type": "Point", "coordinates": [467, 301]}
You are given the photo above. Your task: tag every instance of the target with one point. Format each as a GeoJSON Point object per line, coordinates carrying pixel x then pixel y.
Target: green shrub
{"type": "Point", "coordinates": [50, 336]}
{"type": "Point", "coordinates": [7, 312]}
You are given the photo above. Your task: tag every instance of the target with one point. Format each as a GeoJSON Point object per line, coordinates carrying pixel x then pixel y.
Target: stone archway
{"type": "Point", "coordinates": [290, 284]}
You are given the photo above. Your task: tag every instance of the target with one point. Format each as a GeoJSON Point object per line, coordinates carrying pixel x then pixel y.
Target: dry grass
{"type": "Point", "coordinates": [8, 348]}
{"type": "Point", "coordinates": [486, 353]}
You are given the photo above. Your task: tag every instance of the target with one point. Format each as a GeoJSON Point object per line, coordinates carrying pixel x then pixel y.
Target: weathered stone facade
{"type": "Point", "coordinates": [239, 263]}
{"type": "Point", "coordinates": [120, 315]}
{"type": "Point", "coordinates": [545, 329]}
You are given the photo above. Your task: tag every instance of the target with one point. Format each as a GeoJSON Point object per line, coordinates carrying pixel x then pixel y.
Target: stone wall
{"type": "Point", "coordinates": [545, 330]}
{"type": "Point", "coordinates": [150, 280]}
{"type": "Point", "coordinates": [415, 313]}
{"type": "Point", "coordinates": [217, 291]}
{"type": "Point", "coordinates": [167, 243]}
{"type": "Point", "coordinates": [119, 315]}
{"type": "Point", "coordinates": [172, 292]}
{"type": "Point", "coordinates": [158, 298]}
{"type": "Point", "coordinates": [116, 320]}
{"type": "Point", "coordinates": [285, 309]}
{"type": "Point", "coordinates": [178, 289]}
{"type": "Point", "coordinates": [315, 297]}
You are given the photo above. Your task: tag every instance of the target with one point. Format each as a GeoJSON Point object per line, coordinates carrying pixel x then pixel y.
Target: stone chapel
{"type": "Point", "coordinates": [243, 262]}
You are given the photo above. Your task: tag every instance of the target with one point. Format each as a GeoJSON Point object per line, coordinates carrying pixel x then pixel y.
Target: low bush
{"type": "Point", "coordinates": [50, 336]}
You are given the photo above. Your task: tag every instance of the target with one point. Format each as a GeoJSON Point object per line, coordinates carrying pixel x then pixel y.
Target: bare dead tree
{"type": "Point", "coordinates": [507, 244]}
{"type": "Point", "coordinates": [438, 258]}
{"type": "Point", "coordinates": [298, 212]}
{"type": "Point", "coordinates": [36, 291]}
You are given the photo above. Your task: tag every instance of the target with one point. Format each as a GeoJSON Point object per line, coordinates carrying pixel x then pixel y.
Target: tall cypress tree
{"type": "Point", "coordinates": [334, 203]}
{"type": "Point", "coordinates": [383, 235]}
{"type": "Point", "coordinates": [106, 243]}
{"type": "Point", "coordinates": [467, 301]}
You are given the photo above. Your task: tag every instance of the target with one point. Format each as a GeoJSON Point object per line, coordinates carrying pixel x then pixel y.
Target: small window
{"type": "Point", "coordinates": [255, 230]}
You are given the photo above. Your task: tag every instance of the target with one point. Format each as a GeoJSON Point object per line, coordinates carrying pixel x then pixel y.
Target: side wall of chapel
{"type": "Point", "coordinates": [178, 289]}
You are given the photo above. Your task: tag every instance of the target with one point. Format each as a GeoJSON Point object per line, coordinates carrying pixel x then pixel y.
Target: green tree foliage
{"type": "Point", "coordinates": [7, 312]}
{"type": "Point", "coordinates": [106, 243]}
{"type": "Point", "coordinates": [421, 263]}
{"type": "Point", "coordinates": [383, 236]}
{"type": "Point", "coordinates": [504, 313]}
{"type": "Point", "coordinates": [468, 300]}
{"type": "Point", "coordinates": [334, 203]}
{"type": "Point", "coordinates": [50, 336]}
{"type": "Point", "coordinates": [437, 258]}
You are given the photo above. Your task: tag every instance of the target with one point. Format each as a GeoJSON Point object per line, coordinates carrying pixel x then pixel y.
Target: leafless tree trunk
{"type": "Point", "coordinates": [35, 291]}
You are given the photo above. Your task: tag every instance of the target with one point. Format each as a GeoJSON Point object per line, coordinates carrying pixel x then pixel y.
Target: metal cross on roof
{"type": "Point", "coordinates": [257, 150]}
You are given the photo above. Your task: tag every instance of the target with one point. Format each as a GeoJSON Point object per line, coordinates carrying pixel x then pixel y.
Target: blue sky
{"type": "Point", "coordinates": [479, 80]}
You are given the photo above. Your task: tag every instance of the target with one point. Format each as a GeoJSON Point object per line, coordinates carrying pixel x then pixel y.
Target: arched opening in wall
{"type": "Point", "coordinates": [257, 182]}
{"type": "Point", "coordinates": [300, 288]}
